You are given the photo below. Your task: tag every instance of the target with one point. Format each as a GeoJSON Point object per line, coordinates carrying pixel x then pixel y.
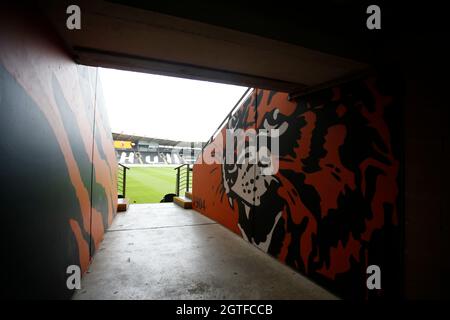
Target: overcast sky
{"type": "Point", "coordinates": [166, 107]}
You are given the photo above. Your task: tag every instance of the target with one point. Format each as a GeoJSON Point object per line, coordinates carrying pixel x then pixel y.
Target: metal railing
{"type": "Point", "coordinates": [184, 179]}
{"type": "Point", "coordinates": [227, 117]}
{"type": "Point", "coordinates": [122, 180]}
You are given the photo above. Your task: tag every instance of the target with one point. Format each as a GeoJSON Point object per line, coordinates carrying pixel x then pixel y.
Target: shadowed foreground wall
{"type": "Point", "coordinates": [333, 207]}
{"type": "Point", "coordinates": [57, 160]}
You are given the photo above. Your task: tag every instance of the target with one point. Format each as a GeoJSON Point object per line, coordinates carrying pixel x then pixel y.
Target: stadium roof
{"type": "Point", "coordinates": [163, 142]}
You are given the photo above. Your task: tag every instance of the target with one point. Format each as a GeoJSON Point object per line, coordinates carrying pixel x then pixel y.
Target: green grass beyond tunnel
{"type": "Point", "coordinates": [149, 184]}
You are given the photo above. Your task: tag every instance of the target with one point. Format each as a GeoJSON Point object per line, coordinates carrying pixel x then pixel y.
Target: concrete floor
{"type": "Point", "coordinates": [161, 251]}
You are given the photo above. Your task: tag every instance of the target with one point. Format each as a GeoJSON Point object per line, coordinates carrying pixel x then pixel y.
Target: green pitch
{"type": "Point", "coordinates": [149, 184]}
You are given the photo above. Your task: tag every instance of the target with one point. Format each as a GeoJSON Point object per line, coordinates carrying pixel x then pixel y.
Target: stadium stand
{"type": "Point", "coordinates": [139, 150]}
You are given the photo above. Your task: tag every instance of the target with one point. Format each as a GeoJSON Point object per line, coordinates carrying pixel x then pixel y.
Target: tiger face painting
{"type": "Point", "coordinates": [332, 207]}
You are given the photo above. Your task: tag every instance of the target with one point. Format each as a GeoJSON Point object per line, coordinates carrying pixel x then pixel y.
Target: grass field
{"type": "Point", "coordinates": [149, 184]}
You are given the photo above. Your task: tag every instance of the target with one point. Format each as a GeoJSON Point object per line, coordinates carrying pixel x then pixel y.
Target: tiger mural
{"type": "Point", "coordinates": [332, 208]}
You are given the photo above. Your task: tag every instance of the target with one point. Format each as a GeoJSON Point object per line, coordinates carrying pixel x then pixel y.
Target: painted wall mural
{"type": "Point", "coordinates": [332, 208]}
{"type": "Point", "coordinates": [57, 160]}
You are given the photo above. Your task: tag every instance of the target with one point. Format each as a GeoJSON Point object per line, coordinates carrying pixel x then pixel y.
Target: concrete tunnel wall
{"type": "Point", "coordinates": [334, 206]}
{"type": "Point", "coordinates": [58, 167]}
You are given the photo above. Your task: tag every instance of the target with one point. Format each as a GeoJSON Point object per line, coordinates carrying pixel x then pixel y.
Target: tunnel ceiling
{"type": "Point", "coordinates": [258, 46]}
{"type": "Point", "coordinates": [329, 26]}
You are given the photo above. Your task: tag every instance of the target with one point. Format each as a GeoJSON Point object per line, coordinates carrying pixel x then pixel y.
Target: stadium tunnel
{"type": "Point", "coordinates": [364, 151]}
